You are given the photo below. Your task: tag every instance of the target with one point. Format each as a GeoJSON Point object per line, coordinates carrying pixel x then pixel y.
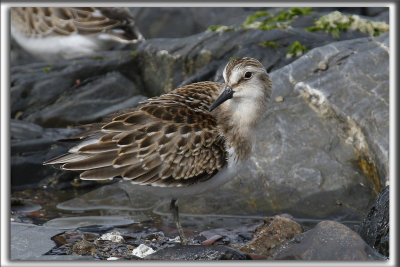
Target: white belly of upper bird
{"type": "Point", "coordinates": [58, 47]}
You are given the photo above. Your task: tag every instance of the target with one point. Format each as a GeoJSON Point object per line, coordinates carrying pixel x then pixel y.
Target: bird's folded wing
{"type": "Point", "coordinates": [166, 142]}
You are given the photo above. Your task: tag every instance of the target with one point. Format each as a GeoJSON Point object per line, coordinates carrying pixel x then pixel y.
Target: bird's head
{"type": "Point", "coordinates": [246, 82]}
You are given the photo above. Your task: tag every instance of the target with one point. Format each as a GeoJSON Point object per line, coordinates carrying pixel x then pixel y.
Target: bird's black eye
{"type": "Point", "coordinates": [248, 75]}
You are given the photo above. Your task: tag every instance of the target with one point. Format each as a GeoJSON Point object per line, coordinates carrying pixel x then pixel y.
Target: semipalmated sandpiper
{"type": "Point", "coordinates": [184, 142]}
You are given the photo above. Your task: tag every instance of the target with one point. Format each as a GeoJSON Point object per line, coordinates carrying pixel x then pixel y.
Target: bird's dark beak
{"type": "Point", "coordinates": [225, 95]}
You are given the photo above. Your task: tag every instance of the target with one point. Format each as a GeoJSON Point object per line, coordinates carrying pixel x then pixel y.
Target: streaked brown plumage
{"type": "Point", "coordinates": [170, 140]}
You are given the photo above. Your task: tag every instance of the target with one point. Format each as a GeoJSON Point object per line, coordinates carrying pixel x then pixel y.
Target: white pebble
{"type": "Point", "coordinates": [112, 258]}
{"type": "Point", "coordinates": [177, 239]}
{"type": "Point", "coordinates": [115, 237]}
{"type": "Point", "coordinates": [142, 251]}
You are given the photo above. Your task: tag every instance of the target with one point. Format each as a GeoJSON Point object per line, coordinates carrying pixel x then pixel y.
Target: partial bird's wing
{"type": "Point", "coordinates": [171, 140]}
{"type": "Point", "coordinates": [117, 23]}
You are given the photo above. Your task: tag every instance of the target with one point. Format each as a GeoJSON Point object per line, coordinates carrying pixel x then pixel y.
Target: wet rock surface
{"type": "Point", "coordinates": [30, 242]}
{"type": "Point", "coordinates": [31, 145]}
{"type": "Point", "coordinates": [235, 236]}
{"type": "Point", "coordinates": [328, 241]}
{"type": "Point", "coordinates": [321, 153]}
{"type": "Point", "coordinates": [374, 229]}
{"type": "Point", "coordinates": [203, 253]}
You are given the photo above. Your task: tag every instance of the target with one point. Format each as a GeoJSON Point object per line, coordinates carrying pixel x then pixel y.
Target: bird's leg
{"type": "Point", "coordinates": [175, 212]}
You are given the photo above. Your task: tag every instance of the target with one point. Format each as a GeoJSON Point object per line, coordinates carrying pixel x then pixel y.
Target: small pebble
{"type": "Point", "coordinates": [82, 247]}
{"type": "Point", "coordinates": [90, 236]}
{"type": "Point", "coordinates": [176, 239]}
{"type": "Point", "coordinates": [59, 240]}
{"type": "Point", "coordinates": [279, 99]}
{"type": "Point", "coordinates": [142, 251]}
{"type": "Point", "coordinates": [211, 240]}
{"type": "Point", "coordinates": [257, 256]}
{"type": "Point", "coordinates": [115, 237]}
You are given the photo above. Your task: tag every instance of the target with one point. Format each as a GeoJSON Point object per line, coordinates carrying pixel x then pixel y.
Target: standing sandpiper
{"type": "Point", "coordinates": [53, 33]}
{"type": "Point", "coordinates": [184, 142]}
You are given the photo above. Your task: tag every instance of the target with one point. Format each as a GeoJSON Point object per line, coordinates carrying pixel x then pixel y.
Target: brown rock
{"type": "Point", "coordinates": [272, 235]}
{"type": "Point", "coordinates": [59, 239]}
{"type": "Point", "coordinates": [82, 247]}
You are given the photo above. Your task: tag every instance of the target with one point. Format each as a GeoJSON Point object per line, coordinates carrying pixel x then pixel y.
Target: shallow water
{"type": "Point", "coordinates": [109, 207]}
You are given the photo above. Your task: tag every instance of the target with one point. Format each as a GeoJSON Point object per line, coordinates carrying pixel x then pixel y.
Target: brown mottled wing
{"type": "Point", "coordinates": [171, 140]}
{"type": "Point", "coordinates": [46, 21]}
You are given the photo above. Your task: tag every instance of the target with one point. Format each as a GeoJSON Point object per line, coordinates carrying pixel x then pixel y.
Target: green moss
{"type": "Point", "coordinates": [255, 16]}
{"type": "Point", "coordinates": [336, 22]}
{"type": "Point", "coordinates": [265, 20]}
{"type": "Point", "coordinates": [281, 20]}
{"type": "Point", "coordinates": [269, 44]}
{"type": "Point", "coordinates": [213, 28]}
{"type": "Point", "coordinates": [48, 68]}
{"type": "Point", "coordinates": [295, 49]}
{"type": "Point", "coordinates": [293, 12]}
{"type": "Point", "coordinates": [134, 54]}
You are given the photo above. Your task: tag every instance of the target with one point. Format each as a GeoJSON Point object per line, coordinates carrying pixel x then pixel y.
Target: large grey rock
{"type": "Point", "coordinates": [375, 227]}
{"type": "Point", "coordinates": [175, 22]}
{"type": "Point", "coordinates": [30, 242]}
{"type": "Point", "coordinates": [75, 91]}
{"type": "Point", "coordinates": [347, 84]}
{"type": "Point", "coordinates": [328, 241]}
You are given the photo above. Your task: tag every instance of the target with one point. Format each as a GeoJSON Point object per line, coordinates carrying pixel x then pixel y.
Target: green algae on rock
{"type": "Point", "coordinates": [280, 20]}
{"type": "Point", "coordinates": [336, 22]}
{"type": "Point", "coordinates": [296, 49]}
